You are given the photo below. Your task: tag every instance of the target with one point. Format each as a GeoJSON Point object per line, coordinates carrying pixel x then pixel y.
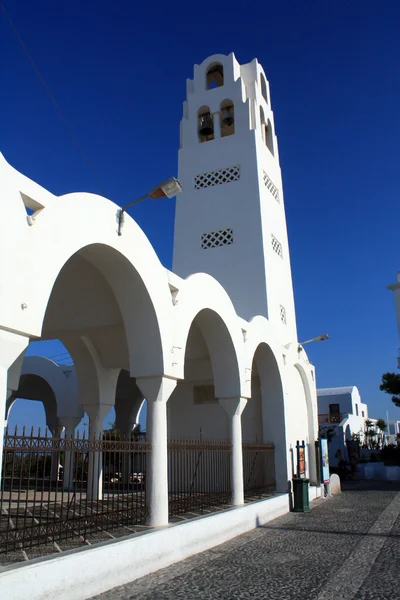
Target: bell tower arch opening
{"type": "Point", "coordinates": [264, 92]}
{"type": "Point", "coordinates": [214, 76]}
{"type": "Point", "coordinates": [269, 137]}
{"type": "Point", "coordinates": [205, 124]}
{"type": "Point", "coordinates": [227, 118]}
{"type": "Point", "coordinates": [264, 129]}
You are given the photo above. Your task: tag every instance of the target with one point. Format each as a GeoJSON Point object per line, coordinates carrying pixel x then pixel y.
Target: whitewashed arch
{"type": "Point", "coordinates": [62, 401]}
{"type": "Point", "coordinates": [258, 331]}
{"type": "Point", "coordinates": [261, 348]}
{"type": "Point", "coordinates": [203, 299]}
{"type": "Point", "coordinates": [312, 416]}
{"type": "Point", "coordinates": [68, 225]}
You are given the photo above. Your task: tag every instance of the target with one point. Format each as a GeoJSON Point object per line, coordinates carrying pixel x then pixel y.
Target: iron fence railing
{"type": "Point", "coordinates": [59, 488]}
{"type": "Point", "coordinates": [258, 469]}
{"type": "Point", "coordinates": [332, 417]}
{"type": "Point", "coordinates": [199, 475]}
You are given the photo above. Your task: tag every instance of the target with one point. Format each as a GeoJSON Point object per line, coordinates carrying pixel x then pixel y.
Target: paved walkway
{"type": "Point", "coordinates": [347, 548]}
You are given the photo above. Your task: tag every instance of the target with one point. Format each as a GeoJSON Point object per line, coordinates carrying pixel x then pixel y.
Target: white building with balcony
{"type": "Point", "coordinates": [341, 411]}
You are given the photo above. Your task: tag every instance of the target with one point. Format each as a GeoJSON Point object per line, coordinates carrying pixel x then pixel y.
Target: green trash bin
{"type": "Point", "coordinates": [301, 502]}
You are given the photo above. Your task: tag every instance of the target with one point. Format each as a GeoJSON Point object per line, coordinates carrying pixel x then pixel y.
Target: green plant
{"type": "Point", "coordinates": [391, 454]}
{"type": "Point", "coordinates": [391, 385]}
{"type": "Point", "coordinates": [381, 425]}
{"type": "Point", "coordinates": [370, 434]}
{"type": "Point", "coordinates": [327, 433]}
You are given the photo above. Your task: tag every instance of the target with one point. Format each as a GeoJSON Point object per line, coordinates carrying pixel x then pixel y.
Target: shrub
{"type": "Point", "coordinates": [391, 454]}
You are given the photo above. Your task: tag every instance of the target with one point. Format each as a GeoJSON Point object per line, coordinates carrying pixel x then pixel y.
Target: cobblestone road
{"type": "Point", "coordinates": [346, 548]}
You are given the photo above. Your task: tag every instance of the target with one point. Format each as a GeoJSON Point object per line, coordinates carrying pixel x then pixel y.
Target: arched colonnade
{"type": "Point", "coordinates": [117, 309]}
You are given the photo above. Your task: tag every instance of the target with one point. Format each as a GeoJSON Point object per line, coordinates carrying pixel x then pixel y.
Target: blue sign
{"type": "Point", "coordinates": [324, 460]}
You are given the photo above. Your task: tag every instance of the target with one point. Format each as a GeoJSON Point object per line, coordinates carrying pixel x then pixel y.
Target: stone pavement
{"type": "Point", "coordinates": [346, 548]}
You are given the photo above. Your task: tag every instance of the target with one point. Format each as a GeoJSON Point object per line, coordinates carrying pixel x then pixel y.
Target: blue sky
{"type": "Point", "coordinates": [118, 72]}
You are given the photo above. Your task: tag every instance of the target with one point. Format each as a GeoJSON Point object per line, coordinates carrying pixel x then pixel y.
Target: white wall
{"type": "Point", "coordinates": [186, 419]}
{"type": "Point", "coordinates": [252, 418]}
{"type": "Point", "coordinates": [297, 416]}
{"type": "Point", "coordinates": [81, 574]}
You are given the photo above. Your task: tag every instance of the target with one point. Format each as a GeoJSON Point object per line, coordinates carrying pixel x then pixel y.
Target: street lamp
{"type": "Point", "coordinates": [320, 338]}
{"type": "Point", "coordinates": [169, 188]}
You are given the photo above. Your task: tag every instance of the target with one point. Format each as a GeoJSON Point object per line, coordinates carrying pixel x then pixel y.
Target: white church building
{"type": "Point", "coordinates": [210, 345]}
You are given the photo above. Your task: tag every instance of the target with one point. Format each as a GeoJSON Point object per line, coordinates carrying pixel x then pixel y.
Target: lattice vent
{"type": "Point", "coordinates": [271, 187]}
{"type": "Point", "coordinates": [283, 314]}
{"type": "Point", "coordinates": [217, 177]}
{"type": "Point", "coordinates": [204, 394]}
{"type": "Point", "coordinates": [212, 239]}
{"type": "Point", "coordinates": [276, 245]}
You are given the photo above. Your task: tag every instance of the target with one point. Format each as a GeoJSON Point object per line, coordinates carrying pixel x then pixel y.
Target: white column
{"type": "Point", "coordinates": [97, 385]}
{"type": "Point", "coordinates": [126, 416]}
{"type": "Point", "coordinates": [69, 424]}
{"type": "Point", "coordinates": [157, 391]}
{"type": "Point", "coordinates": [97, 413]}
{"type": "Point", "coordinates": [3, 399]}
{"type": "Point", "coordinates": [55, 455]}
{"type": "Point", "coordinates": [234, 408]}
{"type": "Point", "coordinates": [217, 125]}
{"type": "Point", "coordinates": [12, 346]}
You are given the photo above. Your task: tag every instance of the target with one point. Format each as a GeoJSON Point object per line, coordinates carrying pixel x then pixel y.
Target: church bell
{"type": "Point", "coordinates": [206, 126]}
{"type": "Point", "coordinates": [228, 117]}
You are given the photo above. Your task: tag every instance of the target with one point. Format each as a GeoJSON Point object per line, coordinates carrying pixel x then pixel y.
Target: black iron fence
{"type": "Point", "coordinates": [199, 475]}
{"type": "Point", "coordinates": [258, 469]}
{"type": "Point", "coordinates": [59, 488]}
{"type": "Point", "coordinates": [332, 418]}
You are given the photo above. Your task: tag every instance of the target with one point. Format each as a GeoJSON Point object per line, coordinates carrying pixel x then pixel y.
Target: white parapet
{"type": "Point", "coordinates": [83, 573]}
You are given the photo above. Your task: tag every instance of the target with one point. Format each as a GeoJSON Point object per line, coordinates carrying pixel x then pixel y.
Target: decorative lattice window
{"type": "Point", "coordinates": [270, 186]}
{"type": "Point", "coordinates": [276, 245]}
{"type": "Point", "coordinates": [212, 239]}
{"type": "Point", "coordinates": [283, 314]}
{"type": "Point", "coordinates": [204, 394]}
{"type": "Point", "coordinates": [216, 177]}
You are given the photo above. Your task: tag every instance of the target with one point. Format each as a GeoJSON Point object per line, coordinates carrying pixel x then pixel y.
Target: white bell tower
{"type": "Point", "coordinates": [230, 218]}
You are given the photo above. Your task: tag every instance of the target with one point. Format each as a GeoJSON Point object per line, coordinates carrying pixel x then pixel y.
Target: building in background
{"type": "Point", "coordinates": [342, 417]}
{"type": "Point", "coordinates": [341, 414]}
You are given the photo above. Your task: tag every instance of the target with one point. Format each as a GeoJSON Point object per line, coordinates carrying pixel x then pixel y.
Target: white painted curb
{"type": "Point", "coordinates": [83, 573]}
